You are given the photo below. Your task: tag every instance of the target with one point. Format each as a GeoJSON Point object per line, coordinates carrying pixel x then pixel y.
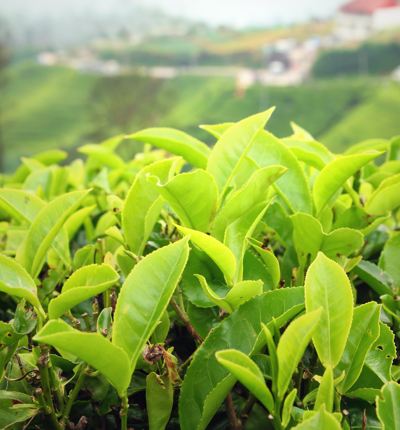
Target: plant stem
{"type": "Point", "coordinates": [43, 366]}
{"type": "Point", "coordinates": [185, 320]}
{"type": "Point", "coordinates": [234, 423]}
{"type": "Point", "coordinates": [56, 388]}
{"type": "Point", "coordinates": [42, 401]}
{"type": "Point", "coordinates": [87, 322]}
{"type": "Point", "coordinates": [74, 393]}
{"type": "Point", "coordinates": [354, 196]}
{"type": "Point", "coordinates": [124, 412]}
{"type": "Point", "coordinates": [249, 405]}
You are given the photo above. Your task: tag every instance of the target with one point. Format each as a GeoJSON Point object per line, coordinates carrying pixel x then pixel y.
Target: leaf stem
{"type": "Point", "coordinates": [354, 196]}
{"type": "Point", "coordinates": [284, 198]}
{"type": "Point", "coordinates": [185, 320]}
{"type": "Point", "coordinates": [55, 384]}
{"type": "Point", "coordinates": [74, 393]}
{"type": "Point", "coordinates": [124, 412]}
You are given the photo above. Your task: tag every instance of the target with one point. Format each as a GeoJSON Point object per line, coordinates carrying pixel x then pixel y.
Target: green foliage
{"type": "Point", "coordinates": [189, 286]}
{"type": "Point", "coordinates": [372, 58]}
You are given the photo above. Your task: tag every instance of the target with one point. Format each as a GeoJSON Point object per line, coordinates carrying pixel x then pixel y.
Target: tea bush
{"type": "Point", "coordinates": [257, 289]}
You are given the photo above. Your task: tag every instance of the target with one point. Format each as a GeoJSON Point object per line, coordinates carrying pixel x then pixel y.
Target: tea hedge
{"type": "Point", "coordinates": [252, 285]}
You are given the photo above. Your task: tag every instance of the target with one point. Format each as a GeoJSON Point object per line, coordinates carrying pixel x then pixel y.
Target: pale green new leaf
{"type": "Point", "coordinates": [388, 410]}
{"type": "Point", "coordinates": [335, 174]}
{"type": "Point", "coordinates": [382, 353]}
{"type": "Point", "coordinates": [103, 154]}
{"type": "Point", "coordinates": [232, 148]}
{"type": "Point", "coordinates": [309, 239]}
{"type": "Point", "coordinates": [255, 191]}
{"type": "Point", "coordinates": [389, 259]}
{"type": "Point", "coordinates": [15, 280]}
{"type": "Point", "coordinates": [325, 391]}
{"type": "Point", "coordinates": [320, 421]}
{"type": "Point", "coordinates": [192, 196]}
{"type": "Point", "coordinates": [145, 295]}
{"type": "Point", "coordinates": [368, 145]}
{"type": "Point", "coordinates": [143, 204]}
{"type": "Point", "coordinates": [92, 348]}
{"type": "Point", "coordinates": [75, 221]}
{"type": "Point", "coordinates": [45, 228]}
{"type": "Point", "coordinates": [239, 294]}
{"type": "Point", "coordinates": [293, 187]}
{"type": "Point", "coordinates": [292, 345]}
{"type": "Point", "coordinates": [236, 233]}
{"type": "Point", "coordinates": [21, 205]}
{"type": "Point", "coordinates": [327, 285]}
{"type": "Point", "coordinates": [288, 407]}
{"type": "Point", "coordinates": [82, 284]}
{"type": "Point", "coordinates": [268, 257]}
{"type": "Point", "coordinates": [177, 142]}
{"type": "Point", "coordinates": [248, 373]}
{"type": "Point", "coordinates": [363, 333]}
{"type": "Point", "coordinates": [217, 251]}
{"type": "Point", "coordinates": [310, 152]}
{"type": "Point", "coordinates": [385, 198]}
{"type": "Point", "coordinates": [217, 130]}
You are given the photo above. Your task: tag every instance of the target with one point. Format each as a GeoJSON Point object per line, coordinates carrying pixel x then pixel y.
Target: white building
{"type": "Point", "coordinates": [358, 19]}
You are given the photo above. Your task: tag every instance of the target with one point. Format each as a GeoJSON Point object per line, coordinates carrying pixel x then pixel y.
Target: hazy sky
{"type": "Point", "coordinates": [238, 13]}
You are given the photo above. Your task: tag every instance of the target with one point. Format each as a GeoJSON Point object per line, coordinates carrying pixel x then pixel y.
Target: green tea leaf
{"type": "Point", "coordinates": [292, 345]}
{"type": "Point", "coordinates": [267, 150]}
{"type": "Point", "coordinates": [145, 295]}
{"type": "Point", "coordinates": [92, 348]}
{"type": "Point", "coordinates": [254, 192]}
{"type": "Point", "coordinates": [327, 285]}
{"type": "Point", "coordinates": [335, 174]}
{"type": "Point", "coordinates": [192, 196]}
{"type": "Point", "coordinates": [310, 152]}
{"type": "Point", "coordinates": [143, 204]}
{"type": "Point", "coordinates": [15, 280]}
{"type": "Point", "coordinates": [232, 148]}
{"type": "Point", "coordinates": [363, 333]}
{"type": "Point", "coordinates": [269, 259]}
{"type": "Point", "coordinates": [389, 259]}
{"type": "Point", "coordinates": [325, 391]}
{"type": "Point", "coordinates": [217, 130]}
{"type": "Point", "coordinates": [321, 420]}
{"type": "Point", "coordinates": [159, 400]}
{"type": "Point", "coordinates": [103, 155]}
{"type": "Point", "coordinates": [236, 233]}
{"type": "Point", "coordinates": [288, 407]}
{"type": "Point", "coordinates": [309, 239]}
{"type": "Point", "coordinates": [177, 142]}
{"type": "Point", "coordinates": [75, 221]}
{"type": "Point", "coordinates": [385, 198]}
{"type": "Point", "coordinates": [239, 294]}
{"type": "Point", "coordinates": [21, 205]}
{"type": "Point", "coordinates": [82, 284]}
{"type": "Point", "coordinates": [382, 353]}
{"type": "Point", "coordinates": [205, 385]}
{"type": "Point", "coordinates": [218, 252]}
{"type": "Point", "coordinates": [388, 409]}
{"type": "Point", "coordinates": [45, 228]}
{"type": "Point", "coordinates": [247, 372]}
{"type": "Point", "coordinates": [373, 275]}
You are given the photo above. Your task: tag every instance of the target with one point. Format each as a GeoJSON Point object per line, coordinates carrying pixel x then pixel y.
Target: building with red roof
{"type": "Point", "coordinates": [358, 19]}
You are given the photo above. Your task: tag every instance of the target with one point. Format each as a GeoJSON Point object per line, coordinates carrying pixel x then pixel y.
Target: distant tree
{"type": "Point", "coordinates": [4, 59]}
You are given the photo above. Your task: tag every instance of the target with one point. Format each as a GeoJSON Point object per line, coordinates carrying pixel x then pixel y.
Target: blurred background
{"type": "Point", "coordinates": [81, 71]}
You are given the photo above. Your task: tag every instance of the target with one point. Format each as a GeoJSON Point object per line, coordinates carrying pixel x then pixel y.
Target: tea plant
{"type": "Point", "coordinates": [253, 285]}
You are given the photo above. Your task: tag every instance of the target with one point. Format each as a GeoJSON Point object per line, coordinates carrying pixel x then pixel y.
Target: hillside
{"type": "Point", "coordinates": [57, 107]}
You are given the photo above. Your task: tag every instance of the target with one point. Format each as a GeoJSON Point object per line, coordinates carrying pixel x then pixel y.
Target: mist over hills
{"type": "Point", "coordinates": [49, 24]}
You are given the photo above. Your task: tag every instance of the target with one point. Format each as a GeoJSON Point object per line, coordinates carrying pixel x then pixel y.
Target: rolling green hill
{"type": "Point", "coordinates": [49, 107]}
